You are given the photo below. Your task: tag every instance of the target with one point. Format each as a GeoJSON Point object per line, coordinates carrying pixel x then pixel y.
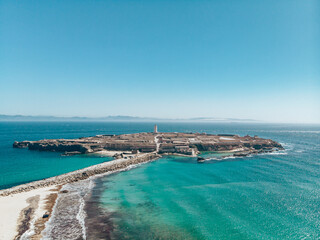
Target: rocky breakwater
{"type": "Point", "coordinates": [107, 167]}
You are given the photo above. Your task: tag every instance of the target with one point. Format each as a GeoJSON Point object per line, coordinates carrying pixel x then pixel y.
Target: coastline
{"type": "Point", "coordinates": [43, 197]}
{"type": "Point", "coordinates": [22, 213]}
{"type": "Point", "coordinates": [235, 186]}
{"type": "Point", "coordinates": [22, 207]}
{"type": "Point", "coordinates": [81, 174]}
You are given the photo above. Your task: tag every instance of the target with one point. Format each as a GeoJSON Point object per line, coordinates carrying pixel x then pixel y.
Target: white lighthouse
{"type": "Point", "coordinates": [155, 129]}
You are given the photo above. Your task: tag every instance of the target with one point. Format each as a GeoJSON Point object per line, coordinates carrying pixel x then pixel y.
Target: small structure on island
{"type": "Point", "coordinates": [155, 129]}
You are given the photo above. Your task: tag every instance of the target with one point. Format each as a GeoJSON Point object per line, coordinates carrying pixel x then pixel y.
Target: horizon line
{"type": "Point", "coordinates": [127, 118]}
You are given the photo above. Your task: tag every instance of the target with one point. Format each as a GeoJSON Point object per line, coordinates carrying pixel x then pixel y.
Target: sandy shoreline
{"type": "Point", "coordinates": [22, 207]}
{"type": "Point", "coordinates": [23, 210]}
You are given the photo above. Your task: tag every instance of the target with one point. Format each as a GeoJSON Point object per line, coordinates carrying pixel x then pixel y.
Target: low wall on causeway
{"type": "Point", "coordinates": [111, 166]}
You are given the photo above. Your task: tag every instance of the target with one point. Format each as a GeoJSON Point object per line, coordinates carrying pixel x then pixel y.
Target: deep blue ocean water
{"type": "Point", "coordinates": [270, 196]}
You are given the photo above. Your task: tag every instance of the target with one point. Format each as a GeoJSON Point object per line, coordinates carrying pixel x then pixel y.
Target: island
{"type": "Point", "coordinates": [162, 143]}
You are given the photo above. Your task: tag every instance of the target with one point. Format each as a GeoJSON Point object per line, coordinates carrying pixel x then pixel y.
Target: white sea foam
{"type": "Point", "coordinates": [229, 157]}
{"type": "Point", "coordinates": [219, 159]}
{"type": "Point", "coordinates": [30, 232]}
{"type": "Point", "coordinates": [81, 216]}
{"type": "Point", "coordinates": [69, 208]}
{"type": "Point", "coordinates": [49, 225]}
{"type": "Point", "coordinates": [77, 191]}
{"type": "Point", "coordinates": [281, 152]}
{"type": "Point", "coordinates": [275, 153]}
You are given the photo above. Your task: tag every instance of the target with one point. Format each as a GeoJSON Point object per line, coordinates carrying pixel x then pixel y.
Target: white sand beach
{"type": "Point", "coordinates": [27, 203]}
{"type": "Point", "coordinates": [12, 205]}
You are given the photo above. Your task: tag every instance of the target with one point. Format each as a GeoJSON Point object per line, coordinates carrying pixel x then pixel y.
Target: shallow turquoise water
{"type": "Point", "coordinates": [272, 196]}
{"type": "Point", "coordinates": [18, 166]}
{"type": "Point", "coordinates": [262, 197]}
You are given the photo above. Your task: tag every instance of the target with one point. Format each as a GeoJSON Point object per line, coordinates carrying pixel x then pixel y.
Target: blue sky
{"type": "Point", "coordinates": [172, 59]}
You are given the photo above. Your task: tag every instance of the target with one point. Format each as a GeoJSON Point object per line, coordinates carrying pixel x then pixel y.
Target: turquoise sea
{"type": "Point", "coordinates": [269, 196]}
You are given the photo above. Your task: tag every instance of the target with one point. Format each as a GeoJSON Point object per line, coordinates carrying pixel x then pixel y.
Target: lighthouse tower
{"type": "Point", "coordinates": [155, 129]}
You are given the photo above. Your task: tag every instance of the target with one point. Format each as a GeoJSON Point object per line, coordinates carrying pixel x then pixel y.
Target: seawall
{"type": "Point", "coordinates": [111, 166]}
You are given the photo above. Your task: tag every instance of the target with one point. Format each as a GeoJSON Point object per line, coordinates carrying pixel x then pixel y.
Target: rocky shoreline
{"type": "Point", "coordinates": [163, 143]}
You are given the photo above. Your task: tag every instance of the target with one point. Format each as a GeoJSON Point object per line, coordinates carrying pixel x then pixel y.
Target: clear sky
{"type": "Point", "coordinates": [173, 59]}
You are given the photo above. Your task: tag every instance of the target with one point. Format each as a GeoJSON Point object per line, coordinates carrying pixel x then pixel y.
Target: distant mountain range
{"type": "Point", "coordinates": [118, 119]}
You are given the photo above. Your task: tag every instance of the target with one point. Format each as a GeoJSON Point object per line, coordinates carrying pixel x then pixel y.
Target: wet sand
{"type": "Point", "coordinates": [23, 212]}
{"type": "Point", "coordinates": [22, 207]}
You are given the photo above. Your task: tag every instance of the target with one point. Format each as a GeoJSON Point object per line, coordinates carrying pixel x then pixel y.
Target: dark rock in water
{"type": "Point", "coordinates": [241, 154]}
{"type": "Point", "coordinates": [269, 150]}
{"type": "Point", "coordinates": [46, 215]}
{"type": "Point", "coordinates": [23, 144]}
{"type": "Point", "coordinates": [71, 153]}
{"type": "Point", "coordinates": [118, 156]}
